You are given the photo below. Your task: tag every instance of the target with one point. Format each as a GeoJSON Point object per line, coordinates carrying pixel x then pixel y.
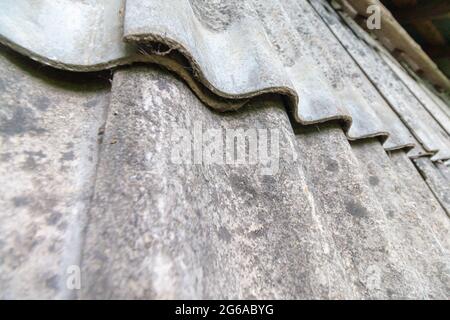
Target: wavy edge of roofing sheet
{"type": "Point", "coordinates": [429, 100]}
{"type": "Point", "coordinates": [56, 34]}
{"type": "Point", "coordinates": [369, 55]}
{"type": "Point", "coordinates": [393, 33]}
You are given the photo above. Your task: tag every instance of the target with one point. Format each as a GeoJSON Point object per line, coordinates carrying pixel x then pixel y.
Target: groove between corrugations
{"type": "Point", "coordinates": [199, 84]}
{"type": "Point", "coordinates": [179, 60]}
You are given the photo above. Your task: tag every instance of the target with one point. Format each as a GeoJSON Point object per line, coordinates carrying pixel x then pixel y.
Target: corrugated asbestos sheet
{"type": "Point", "coordinates": [352, 200]}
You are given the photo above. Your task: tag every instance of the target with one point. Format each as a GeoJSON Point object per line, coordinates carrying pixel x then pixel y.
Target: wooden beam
{"type": "Point", "coordinates": [398, 37]}
{"type": "Point", "coordinates": [420, 12]}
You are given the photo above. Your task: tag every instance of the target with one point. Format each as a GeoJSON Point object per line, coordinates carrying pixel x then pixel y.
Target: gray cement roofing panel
{"type": "Point", "coordinates": [230, 48]}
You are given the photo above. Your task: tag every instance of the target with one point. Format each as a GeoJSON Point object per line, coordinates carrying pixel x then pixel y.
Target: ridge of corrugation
{"type": "Point", "coordinates": [436, 180]}
{"type": "Point", "coordinates": [407, 106]}
{"type": "Point", "coordinates": [407, 215]}
{"type": "Point", "coordinates": [85, 158]}
{"type": "Point", "coordinates": [344, 243]}
{"type": "Point", "coordinates": [430, 104]}
{"type": "Point", "coordinates": [230, 49]}
{"type": "Point", "coordinates": [211, 37]}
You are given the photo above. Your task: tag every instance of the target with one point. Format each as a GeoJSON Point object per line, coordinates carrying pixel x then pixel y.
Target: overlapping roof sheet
{"type": "Point", "coordinates": [87, 177]}
{"type": "Point", "coordinates": [235, 50]}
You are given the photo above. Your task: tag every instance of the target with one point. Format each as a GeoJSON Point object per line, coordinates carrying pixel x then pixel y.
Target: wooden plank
{"type": "Point", "coordinates": [392, 30]}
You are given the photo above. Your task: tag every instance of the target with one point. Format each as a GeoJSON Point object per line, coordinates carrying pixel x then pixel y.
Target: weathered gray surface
{"type": "Point", "coordinates": [423, 200]}
{"type": "Point", "coordinates": [371, 115]}
{"type": "Point", "coordinates": [199, 231]}
{"type": "Point", "coordinates": [301, 41]}
{"type": "Point", "coordinates": [236, 49]}
{"type": "Point", "coordinates": [48, 153]}
{"type": "Point", "coordinates": [66, 34]}
{"type": "Point", "coordinates": [226, 231]}
{"type": "Point", "coordinates": [157, 229]}
{"type": "Point", "coordinates": [430, 104]}
{"type": "Point", "coordinates": [333, 220]}
{"type": "Point", "coordinates": [422, 125]}
{"type": "Point", "coordinates": [444, 169]}
{"type": "Point", "coordinates": [357, 222]}
{"type": "Point", "coordinates": [436, 180]}
{"type": "Point", "coordinates": [413, 239]}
